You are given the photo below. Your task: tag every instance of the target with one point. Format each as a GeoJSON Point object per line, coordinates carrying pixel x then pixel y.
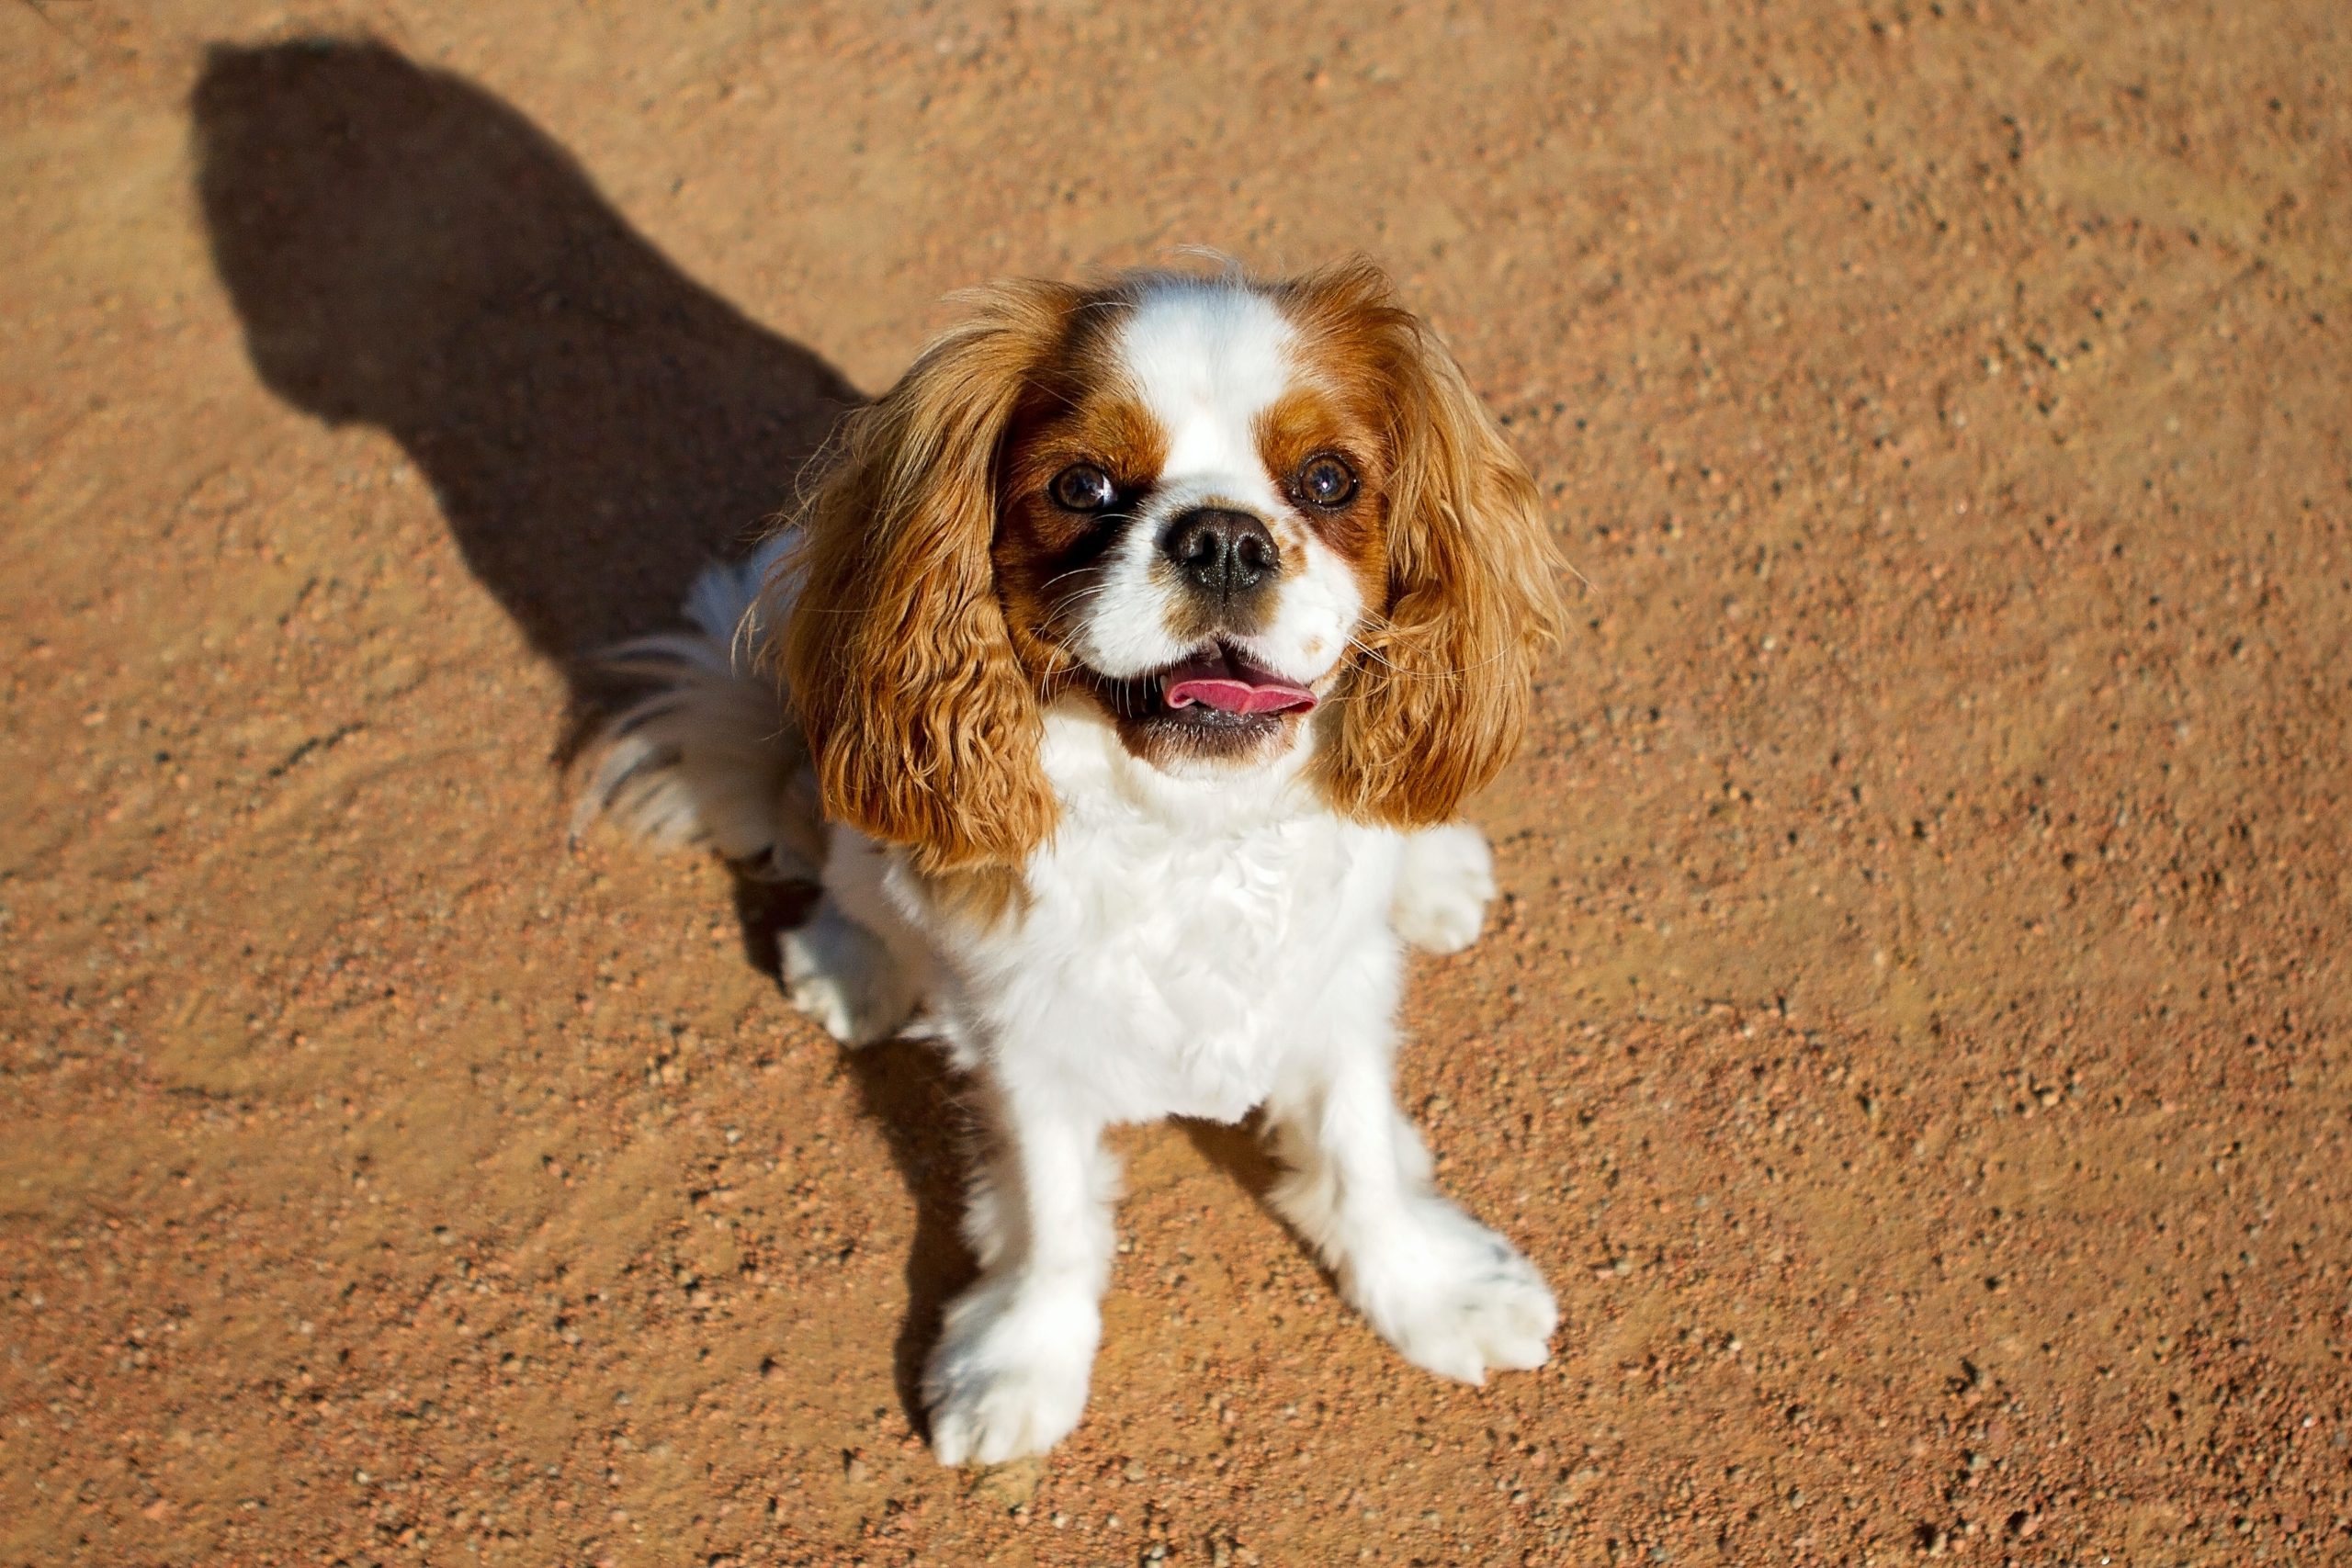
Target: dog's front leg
{"type": "Point", "coordinates": [1443, 887]}
{"type": "Point", "coordinates": [1010, 1373]}
{"type": "Point", "coordinates": [1451, 1295]}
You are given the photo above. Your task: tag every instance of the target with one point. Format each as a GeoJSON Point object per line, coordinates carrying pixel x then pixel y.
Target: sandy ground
{"type": "Point", "coordinates": [1915, 1042]}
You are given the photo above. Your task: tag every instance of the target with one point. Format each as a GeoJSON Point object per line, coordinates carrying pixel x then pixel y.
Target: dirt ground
{"type": "Point", "coordinates": [1914, 1042]}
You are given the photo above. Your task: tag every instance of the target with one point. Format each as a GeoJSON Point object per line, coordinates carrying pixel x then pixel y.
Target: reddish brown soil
{"type": "Point", "coordinates": [1916, 1045]}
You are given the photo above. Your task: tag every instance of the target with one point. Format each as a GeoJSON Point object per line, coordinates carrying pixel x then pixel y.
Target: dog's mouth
{"type": "Point", "coordinates": [1224, 679]}
{"type": "Point", "coordinates": [1214, 689]}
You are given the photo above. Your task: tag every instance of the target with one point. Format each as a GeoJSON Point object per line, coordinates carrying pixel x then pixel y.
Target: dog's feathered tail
{"type": "Point", "coordinates": [710, 756]}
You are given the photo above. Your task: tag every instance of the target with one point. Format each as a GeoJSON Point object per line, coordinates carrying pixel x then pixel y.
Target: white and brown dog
{"type": "Point", "coordinates": [1137, 652]}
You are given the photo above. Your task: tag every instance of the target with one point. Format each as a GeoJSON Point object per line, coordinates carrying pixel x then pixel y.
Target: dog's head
{"type": "Point", "coordinates": [1246, 524]}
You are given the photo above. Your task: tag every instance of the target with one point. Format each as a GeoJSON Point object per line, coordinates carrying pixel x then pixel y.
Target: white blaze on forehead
{"type": "Point", "coordinates": [1208, 358]}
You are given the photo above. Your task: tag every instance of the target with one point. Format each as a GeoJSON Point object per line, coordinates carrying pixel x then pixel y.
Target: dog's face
{"type": "Point", "coordinates": [1192, 522]}
{"type": "Point", "coordinates": [1238, 519]}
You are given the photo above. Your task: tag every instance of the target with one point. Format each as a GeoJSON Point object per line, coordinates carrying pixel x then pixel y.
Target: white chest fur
{"type": "Point", "coordinates": [1182, 937]}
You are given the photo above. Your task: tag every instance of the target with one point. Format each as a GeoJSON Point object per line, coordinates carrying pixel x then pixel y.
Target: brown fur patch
{"type": "Point", "coordinates": [1329, 413]}
{"type": "Point", "coordinates": [1080, 409]}
{"type": "Point", "coordinates": [898, 660]}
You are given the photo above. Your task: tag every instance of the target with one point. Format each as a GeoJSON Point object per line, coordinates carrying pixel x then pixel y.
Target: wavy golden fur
{"type": "Point", "coordinates": [896, 659]}
{"type": "Point", "coordinates": [1436, 697]}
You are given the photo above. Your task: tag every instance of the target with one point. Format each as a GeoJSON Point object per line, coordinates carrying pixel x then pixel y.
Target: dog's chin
{"type": "Point", "coordinates": [1215, 705]}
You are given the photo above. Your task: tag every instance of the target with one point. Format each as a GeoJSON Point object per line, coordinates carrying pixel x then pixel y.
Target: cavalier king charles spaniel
{"type": "Point", "coordinates": [1120, 679]}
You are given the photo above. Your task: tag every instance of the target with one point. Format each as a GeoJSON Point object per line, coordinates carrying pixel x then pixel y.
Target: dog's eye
{"type": "Point", "coordinates": [1327, 481]}
{"type": "Point", "coordinates": [1082, 487]}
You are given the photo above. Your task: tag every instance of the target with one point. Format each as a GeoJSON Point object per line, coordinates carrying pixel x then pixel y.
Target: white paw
{"type": "Point", "coordinates": [1443, 887]}
{"type": "Point", "coordinates": [841, 975]}
{"type": "Point", "coordinates": [1009, 1377]}
{"type": "Point", "coordinates": [1454, 1298]}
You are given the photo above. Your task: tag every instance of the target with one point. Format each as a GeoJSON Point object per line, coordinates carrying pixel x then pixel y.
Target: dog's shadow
{"type": "Point", "coordinates": [407, 251]}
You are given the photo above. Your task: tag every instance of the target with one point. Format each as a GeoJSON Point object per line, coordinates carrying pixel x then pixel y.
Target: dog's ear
{"type": "Point", "coordinates": [1436, 697]}
{"type": "Point", "coordinates": [922, 724]}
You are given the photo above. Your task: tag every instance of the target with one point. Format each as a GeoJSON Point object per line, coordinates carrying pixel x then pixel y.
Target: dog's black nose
{"type": "Point", "coordinates": [1223, 551]}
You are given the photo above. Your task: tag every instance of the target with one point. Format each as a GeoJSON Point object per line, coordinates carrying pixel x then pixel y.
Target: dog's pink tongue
{"type": "Point", "coordinates": [1218, 680]}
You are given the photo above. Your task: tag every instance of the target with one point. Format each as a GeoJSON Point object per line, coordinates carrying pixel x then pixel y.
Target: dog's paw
{"type": "Point", "coordinates": [1009, 1376]}
{"type": "Point", "coordinates": [1454, 1298]}
{"type": "Point", "coordinates": [1443, 887]}
{"type": "Point", "coordinates": [841, 975]}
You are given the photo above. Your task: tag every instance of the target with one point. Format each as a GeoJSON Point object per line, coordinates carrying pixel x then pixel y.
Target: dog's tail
{"type": "Point", "coordinates": [710, 756]}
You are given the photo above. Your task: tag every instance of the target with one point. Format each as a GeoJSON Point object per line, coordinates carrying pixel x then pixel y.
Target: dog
{"type": "Point", "coordinates": [1121, 678]}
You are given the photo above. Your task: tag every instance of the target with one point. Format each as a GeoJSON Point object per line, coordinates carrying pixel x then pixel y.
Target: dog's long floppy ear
{"type": "Point", "coordinates": [923, 725]}
{"type": "Point", "coordinates": [1435, 701]}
